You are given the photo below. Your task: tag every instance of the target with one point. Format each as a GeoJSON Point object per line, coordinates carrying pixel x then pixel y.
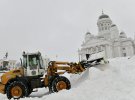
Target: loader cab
{"type": "Point", "coordinates": [33, 64]}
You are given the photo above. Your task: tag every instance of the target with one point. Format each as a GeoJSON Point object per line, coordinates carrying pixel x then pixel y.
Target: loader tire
{"type": "Point", "coordinates": [30, 91]}
{"type": "Point", "coordinates": [60, 83]}
{"type": "Point", "coordinates": [50, 83]}
{"type": "Point", "coordinates": [16, 90]}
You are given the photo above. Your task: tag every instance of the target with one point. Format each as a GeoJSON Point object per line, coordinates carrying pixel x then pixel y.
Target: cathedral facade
{"type": "Point", "coordinates": [109, 40]}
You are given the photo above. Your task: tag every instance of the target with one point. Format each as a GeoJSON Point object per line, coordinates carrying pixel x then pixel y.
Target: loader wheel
{"type": "Point", "coordinates": [50, 82]}
{"type": "Point", "coordinates": [16, 90]}
{"type": "Point", "coordinates": [60, 83]}
{"type": "Point", "coordinates": [30, 91]}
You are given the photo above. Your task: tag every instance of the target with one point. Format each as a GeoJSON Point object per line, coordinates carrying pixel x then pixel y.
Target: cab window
{"type": "Point", "coordinates": [33, 61]}
{"type": "Point", "coordinates": [24, 61]}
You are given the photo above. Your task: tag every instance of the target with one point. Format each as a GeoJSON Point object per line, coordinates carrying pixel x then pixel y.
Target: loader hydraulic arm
{"type": "Point", "coordinates": [54, 67]}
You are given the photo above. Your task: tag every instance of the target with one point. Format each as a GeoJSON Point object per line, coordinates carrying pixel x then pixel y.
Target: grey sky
{"type": "Point", "coordinates": [57, 27]}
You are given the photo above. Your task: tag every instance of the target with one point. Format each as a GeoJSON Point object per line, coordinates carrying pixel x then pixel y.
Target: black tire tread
{"type": "Point", "coordinates": [56, 80]}
{"type": "Point", "coordinates": [19, 83]}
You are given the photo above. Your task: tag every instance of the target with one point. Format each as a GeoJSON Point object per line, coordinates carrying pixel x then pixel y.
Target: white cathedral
{"type": "Point", "coordinates": [109, 40]}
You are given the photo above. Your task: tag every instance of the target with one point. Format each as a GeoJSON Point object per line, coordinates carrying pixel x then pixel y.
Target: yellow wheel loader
{"type": "Point", "coordinates": [21, 82]}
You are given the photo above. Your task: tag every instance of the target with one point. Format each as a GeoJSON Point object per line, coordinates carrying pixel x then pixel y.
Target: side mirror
{"type": "Point", "coordinates": [23, 53]}
{"type": "Point", "coordinates": [21, 61]}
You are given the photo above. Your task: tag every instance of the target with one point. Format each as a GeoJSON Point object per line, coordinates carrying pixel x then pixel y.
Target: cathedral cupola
{"type": "Point", "coordinates": [113, 25]}
{"type": "Point", "coordinates": [114, 31]}
{"type": "Point", "coordinates": [88, 35]}
{"type": "Point", "coordinates": [123, 35]}
{"type": "Point", "coordinates": [104, 24]}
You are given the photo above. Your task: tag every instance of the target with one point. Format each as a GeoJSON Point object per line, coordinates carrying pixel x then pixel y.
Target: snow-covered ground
{"type": "Point", "coordinates": [114, 81]}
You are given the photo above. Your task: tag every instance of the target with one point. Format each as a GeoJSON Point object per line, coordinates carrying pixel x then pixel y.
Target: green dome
{"type": "Point", "coordinates": [113, 25]}
{"type": "Point", "coordinates": [88, 33]}
{"type": "Point", "coordinates": [103, 16]}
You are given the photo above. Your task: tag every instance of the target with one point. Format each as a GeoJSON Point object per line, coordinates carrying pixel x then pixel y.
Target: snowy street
{"type": "Point", "coordinates": [116, 82]}
{"type": "Point", "coordinates": [77, 49]}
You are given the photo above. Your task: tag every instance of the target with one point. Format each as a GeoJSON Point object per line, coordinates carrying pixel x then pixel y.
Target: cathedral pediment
{"type": "Point", "coordinates": [96, 41]}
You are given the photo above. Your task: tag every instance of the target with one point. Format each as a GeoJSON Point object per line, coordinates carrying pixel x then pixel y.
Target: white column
{"type": "Point", "coordinates": [130, 50]}
{"type": "Point", "coordinates": [108, 49]}
{"type": "Point", "coordinates": [119, 52]}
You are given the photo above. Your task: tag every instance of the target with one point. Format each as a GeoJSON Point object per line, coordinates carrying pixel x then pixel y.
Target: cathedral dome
{"type": "Point", "coordinates": [103, 16]}
{"type": "Point", "coordinates": [88, 36]}
{"type": "Point", "coordinates": [88, 33]}
{"type": "Point", "coordinates": [123, 35]}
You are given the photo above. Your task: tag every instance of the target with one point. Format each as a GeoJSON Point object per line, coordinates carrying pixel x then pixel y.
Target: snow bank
{"type": "Point", "coordinates": [115, 82]}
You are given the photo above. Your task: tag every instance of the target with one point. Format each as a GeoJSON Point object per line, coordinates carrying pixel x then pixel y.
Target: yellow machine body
{"type": "Point", "coordinates": [31, 76]}
{"type": "Point", "coordinates": [8, 76]}
{"type": "Point", "coordinates": [52, 70]}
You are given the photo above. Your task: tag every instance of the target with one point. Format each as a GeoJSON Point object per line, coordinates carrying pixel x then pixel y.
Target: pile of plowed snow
{"type": "Point", "coordinates": [115, 81]}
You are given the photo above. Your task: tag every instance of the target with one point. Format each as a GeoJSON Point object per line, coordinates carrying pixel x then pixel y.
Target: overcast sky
{"type": "Point", "coordinates": [57, 27]}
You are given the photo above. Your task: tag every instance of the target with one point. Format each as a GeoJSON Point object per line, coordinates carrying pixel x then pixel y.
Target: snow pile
{"type": "Point", "coordinates": [116, 81]}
